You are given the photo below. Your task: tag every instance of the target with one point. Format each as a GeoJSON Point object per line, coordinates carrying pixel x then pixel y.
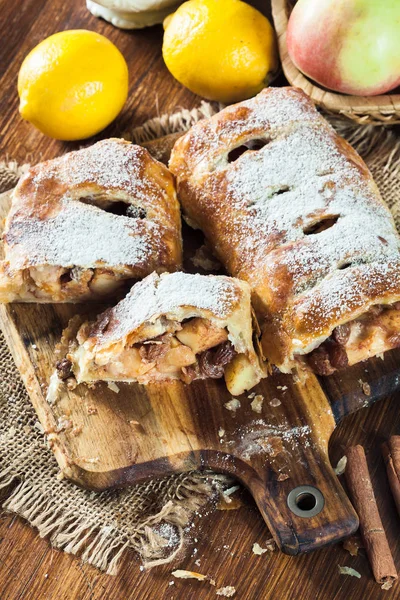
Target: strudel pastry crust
{"type": "Point", "coordinates": [290, 207]}
{"type": "Point", "coordinates": [81, 224]}
{"type": "Point", "coordinates": [169, 326]}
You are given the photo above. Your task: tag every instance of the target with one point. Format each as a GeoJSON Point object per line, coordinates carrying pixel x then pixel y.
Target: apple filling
{"type": "Point", "coordinates": [372, 334]}
{"type": "Point", "coordinates": [194, 349]}
{"type": "Point", "coordinates": [54, 282]}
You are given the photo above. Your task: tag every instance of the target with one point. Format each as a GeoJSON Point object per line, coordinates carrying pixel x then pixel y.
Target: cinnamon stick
{"type": "Point", "coordinates": [391, 455]}
{"type": "Point", "coordinates": [371, 528]}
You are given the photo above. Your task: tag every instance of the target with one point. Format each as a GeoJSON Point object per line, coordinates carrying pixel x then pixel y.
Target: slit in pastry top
{"type": "Point", "coordinates": [174, 326]}
{"type": "Point", "coordinates": [81, 224]}
{"type": "Point", "coordinates": [298, 217]}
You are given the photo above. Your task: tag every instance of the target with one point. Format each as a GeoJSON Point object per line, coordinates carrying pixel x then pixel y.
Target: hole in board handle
{"type": "Point", "coordinates": [305, 501]}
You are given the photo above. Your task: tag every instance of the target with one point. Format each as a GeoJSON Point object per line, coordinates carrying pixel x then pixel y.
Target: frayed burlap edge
{"type": "Point", "coordinates": [103, 547]}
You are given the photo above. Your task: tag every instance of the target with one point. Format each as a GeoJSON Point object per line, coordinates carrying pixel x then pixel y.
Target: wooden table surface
{"type": "Point", "coordinates": [29, 568]}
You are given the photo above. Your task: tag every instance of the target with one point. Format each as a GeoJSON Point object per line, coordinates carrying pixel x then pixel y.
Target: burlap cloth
{"type": "Point", "coordinates": [151, 517]}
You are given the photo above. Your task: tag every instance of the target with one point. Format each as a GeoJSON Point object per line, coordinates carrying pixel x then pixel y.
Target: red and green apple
{"type": "Point", "coordinates": [350, 46]}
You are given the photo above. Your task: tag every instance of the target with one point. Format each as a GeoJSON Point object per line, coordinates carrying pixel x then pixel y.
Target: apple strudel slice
{"type": "Point", "coordinates": [290, 207]}
{"type": "Point", "coordinates": [81, 224]}
{"type": "Point", "coordinates": [170, 326]}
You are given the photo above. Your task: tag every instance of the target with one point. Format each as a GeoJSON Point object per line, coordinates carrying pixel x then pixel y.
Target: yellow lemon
{"type": "Point", "coordinates": [73, 84]}
{"type": "Point", "coordinates": [223, 50]}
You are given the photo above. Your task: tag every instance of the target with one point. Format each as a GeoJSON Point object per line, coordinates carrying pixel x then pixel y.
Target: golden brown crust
{"type": "Point", "coordinates": [297, 215]}
{"type": "Point", "coordinates": [82, 223]}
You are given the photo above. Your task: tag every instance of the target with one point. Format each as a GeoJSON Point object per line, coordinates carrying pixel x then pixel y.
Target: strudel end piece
{"type": "Point", "coordinates": [170, 326]}
{"type": "Point", "coordinates": [290, 207]}
{"type": "Point", "coordinates": [83, 223]}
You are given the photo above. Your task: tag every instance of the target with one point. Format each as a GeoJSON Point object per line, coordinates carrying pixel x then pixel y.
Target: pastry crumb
{"type": "Point", "coordinates": [38, 426]}
{"type": "Point", "coordinates": [92, 461]}
{"type": "Point", "coordinates": [282, 477]}
{"type": "Point", "coordinates": [228, 591]}
{"type": "Point", "coordinates": [71, 383]}
{"type": "Point", "coordinates": [256, 405]}
{"type": "Point", "coordinates": [258, 550]}
{"type": "Point", "coordinates": [63, 423]}
{"type": "Point", "coordinates": [352, 545]}
{"type": "Point", "coordinates": [366, 388]}
{"type": "Point", "coordinates": [275, 402]}
{"type": "Point", "coordinates": [270, 546]}
{"type": "Point", "coordinates": [113, 387]}
{"type": "Point", "coordinates": [349, 571]}
{"type": "Point", "coordinates": [341, 466]}
{"type": "Point", "coordinates": [232, 405]}
{"type": "Point", "coordinates": [76, 430]}
{"type": "Point", "coordinates": [387, 584]}
{"type": "Point", "coordinates": [221, 432]}
{"type": "Point", "coordinates": [181, 574]}
{"type": "Point", "coordinates": [91, 410]}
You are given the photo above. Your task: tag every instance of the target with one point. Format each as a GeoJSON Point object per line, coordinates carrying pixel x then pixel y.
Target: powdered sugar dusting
{"type": "Point", "coordinates": [294, 182]}
{"type": "Point", "coordinates": [50, 225]}
{"type": "Point", "coordinates": [259, 437]}
{"type": "Point", "coordinates": [163, 295]}
{"type": "Point", "coordinates": [259, 117]}
{"type": "Point", "coordinates": [338, 293]}
{"type": "Point", "coordinates": [84, 236]}
{"type": "Point", "coordinates": [112, 164]}
{"type": "Point", "coordinates": [278, 197]}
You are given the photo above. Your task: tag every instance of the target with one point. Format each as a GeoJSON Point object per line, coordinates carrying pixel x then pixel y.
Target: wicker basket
{"type": "Point", "coordinates": [374, 110]}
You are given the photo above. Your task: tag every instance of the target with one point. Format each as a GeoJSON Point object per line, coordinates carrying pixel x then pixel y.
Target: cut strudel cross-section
{"type": "Point", "coordinates": [81, 224]}
{"type": "Point", "coordinates": [169, 327]}
{"type": "Point", "coordinates": [290, 207]}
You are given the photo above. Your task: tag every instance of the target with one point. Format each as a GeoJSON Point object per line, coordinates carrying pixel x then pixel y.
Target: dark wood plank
{"type": "Point", "coordinates": [153, 91]}
{"type": "Point", "coordinates": [224, 546]}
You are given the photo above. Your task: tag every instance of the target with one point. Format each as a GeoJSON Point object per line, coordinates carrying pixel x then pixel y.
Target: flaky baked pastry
{"type": "Point", "coordinates": [81, 224]}
{"type": "Point", "coordinates": [169, 326]}
{"type": "Point", "coordinates": [290, 207]}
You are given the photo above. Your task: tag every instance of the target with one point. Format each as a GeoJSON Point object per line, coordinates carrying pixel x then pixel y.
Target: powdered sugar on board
{"type": "Point", "coordinates": [165, 294]}
{"type": "Point", "coordinates": [261, 438]}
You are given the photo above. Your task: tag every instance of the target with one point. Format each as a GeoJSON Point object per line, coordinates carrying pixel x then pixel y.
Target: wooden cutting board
{"type": "Point", "coordinates": [103, 439]}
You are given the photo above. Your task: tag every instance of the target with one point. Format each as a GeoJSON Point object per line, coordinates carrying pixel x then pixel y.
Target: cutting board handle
{"type": "Point", "coordinates": [292, 481]}
{"type": "Point", "coordinates": [304, 512]}
{"type": "Point", "coordinates": [307, 511]}
{"type": "Point", "coordinates": [301, 498]}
